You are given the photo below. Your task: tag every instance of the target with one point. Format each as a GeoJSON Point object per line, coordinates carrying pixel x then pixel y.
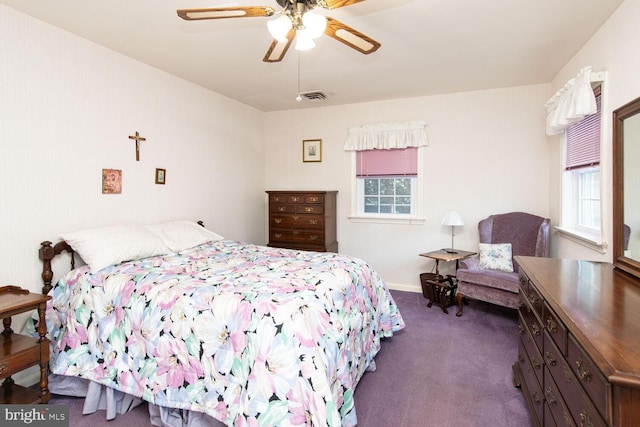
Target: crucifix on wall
{"type": "Point", "coordinates": [138, 138]}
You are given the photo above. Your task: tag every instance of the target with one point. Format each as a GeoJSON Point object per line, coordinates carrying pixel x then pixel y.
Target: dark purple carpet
{"type": "Point", "coordinates": [441, 370]}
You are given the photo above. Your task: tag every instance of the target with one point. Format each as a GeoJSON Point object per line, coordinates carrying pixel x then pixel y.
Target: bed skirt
{"type": "Point", "coordinates": [98, 397]}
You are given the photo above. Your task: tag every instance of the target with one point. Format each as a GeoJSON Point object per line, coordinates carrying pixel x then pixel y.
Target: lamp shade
{"type": "Point", "coordinates": [304, 40]}
{"type": "Point", "coordinates": [452, 218]}
{"type": "Point", "coordinates": [279, 28]}
{"type": "Point", "coordinates": [314, 23]}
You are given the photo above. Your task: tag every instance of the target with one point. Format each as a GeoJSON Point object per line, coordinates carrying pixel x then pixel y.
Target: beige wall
{"type": "Point", "coordinates": [67, 107]}
{"type": "Point", "coordinates": [611, 49]}
{"type": "Point", "coordinates": [487, 154]}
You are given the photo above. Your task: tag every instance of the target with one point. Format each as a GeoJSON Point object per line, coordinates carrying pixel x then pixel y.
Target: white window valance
{"type": "Point", "coordinates": [571, 103]}
{"type": "Point", "coordinates": [386, 136]}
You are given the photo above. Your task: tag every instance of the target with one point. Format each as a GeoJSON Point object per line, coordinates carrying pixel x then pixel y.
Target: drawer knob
{"type": "Point", "coordinates": [552, 326]}
{"type": "Point", "coordinates": [584, 420]}
{"type": "Point", "coordinates": [308, 209]}
{"type": "Point", "coordinates": [313, 199]}
{"type": "Point", "coordinates": [281, 208]}
{"type": "Point", "coordinates": [535, 363]}
{"type": "Point", "coordinates": [520, 329]}
{"type": "Point", "coordinates": [533, 298]}
{"type": "Point", "coordinates": [295, 232]}
{"type": "Point", "coordinates": [551, 360]}
{"type": "Point", "coordinates": [551, 397]}
{"type": "Point", "coordinates": [535, 329]}
{"type": "Point", "coordinates": [536, 397]}
{"type": "Point", "coordinates": [295, 217]}
{"type": "Point", "coordinates": [313, 237]}
{"type": "Point", "coordinates": [3, 366]}
{"type": "Point", "coordinates": [278, 235]}
{"type": "Point", "coordinates": [313, 221]}
{"type": "Point", "coordinates": [583, 372]}
{"type": "Point", "coordinates": [277, 220]}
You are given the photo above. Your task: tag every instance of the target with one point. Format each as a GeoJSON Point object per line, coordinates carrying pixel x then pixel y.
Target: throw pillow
{"type": "Point", "coordinates": [496, 256]}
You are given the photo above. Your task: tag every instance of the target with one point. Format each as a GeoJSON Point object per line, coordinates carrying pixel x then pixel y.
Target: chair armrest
{"type": "Point", "coordinates": [472, 263]}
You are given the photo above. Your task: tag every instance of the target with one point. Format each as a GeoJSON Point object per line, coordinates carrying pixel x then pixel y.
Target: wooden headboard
{"type": "Point", "coordinates": [47, 253]}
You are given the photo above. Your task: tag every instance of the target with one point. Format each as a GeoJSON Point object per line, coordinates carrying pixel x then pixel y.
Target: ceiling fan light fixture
{"type": "Point", "coordinates": [315, 23]}
{"type": "Point", "coordinates": [304, 40]}
{"type": "Point", "coordinates": [279, 28]}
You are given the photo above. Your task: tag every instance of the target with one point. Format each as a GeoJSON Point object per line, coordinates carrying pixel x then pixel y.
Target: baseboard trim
{"type": "Point", "coordinates": [404, 287]}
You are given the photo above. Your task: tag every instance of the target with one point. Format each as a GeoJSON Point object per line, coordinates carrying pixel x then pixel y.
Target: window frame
{"type": "Point", "coordinates": [569, 227]}
{"type": "Point", "coordinates": [417, 191]}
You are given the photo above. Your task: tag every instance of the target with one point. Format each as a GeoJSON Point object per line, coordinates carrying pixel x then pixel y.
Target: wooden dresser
{"type": "Point", "coordinates": [304, 220]}
{"type": "Point", "coordinates": [579, 345]}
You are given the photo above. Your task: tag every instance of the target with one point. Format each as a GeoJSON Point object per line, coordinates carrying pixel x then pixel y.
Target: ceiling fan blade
{"type": "Point", "coordinates": [278, 49]}
{"type": "Point", "coordinates": [350, 37]}
{"type": "Point", "coordinates": [334, 4]}
{"type": "Point", "coordinates": [225, 12]}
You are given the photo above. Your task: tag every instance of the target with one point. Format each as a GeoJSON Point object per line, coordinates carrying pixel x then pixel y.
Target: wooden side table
{"type": "Point", "coordinates": [18, 352]}
{"type": "Point", "coordinates": [443, 289]}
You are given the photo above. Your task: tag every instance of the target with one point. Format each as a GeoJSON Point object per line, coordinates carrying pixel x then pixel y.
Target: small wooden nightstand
{"type": "Point", "coordinates": [18, 352]}
{"type": "Point", "coordinates": [439, 289]}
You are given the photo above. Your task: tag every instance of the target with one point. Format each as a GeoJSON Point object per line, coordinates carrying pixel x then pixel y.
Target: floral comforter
{"type": "Point", "coordinates": [250, 335]}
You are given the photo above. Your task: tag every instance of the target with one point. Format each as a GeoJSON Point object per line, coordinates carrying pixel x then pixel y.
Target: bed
{"type": "Point", "coordinates": [212, 328]}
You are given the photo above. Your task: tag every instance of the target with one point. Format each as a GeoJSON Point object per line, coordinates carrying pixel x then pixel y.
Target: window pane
{"type": "Point", "coordinates": [403, 186]}
{"type": "Point", "coordinates": [386, 186]}
{"type": "Point", "coordinates": [589, 199]}
{"type": "Point", "coordinates": [371, 187]}
{"type": "Point", "coordinates": [387, 195]}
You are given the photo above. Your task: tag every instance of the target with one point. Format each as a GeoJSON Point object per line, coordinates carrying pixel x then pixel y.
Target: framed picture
{"type": "Point", "coordinates": [111, 181]}
{"type": "Point", "coordinates": [161, 175]}
{"type": "Point", "coordinates": [312, 150]}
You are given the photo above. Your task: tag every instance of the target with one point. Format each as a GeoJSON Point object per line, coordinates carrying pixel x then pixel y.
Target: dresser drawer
{"type": "Point", "coordinates": [576, 400]}
{"type": "Point", "coordinates": [296, 221]}
{"type": "Point", "coordinates": [532, 322]}
{"type": "Point", "coordinates": [534, 392]}
{"type": "Point", "coordinates": [556, 329]}
{"type": "Point", "coordinates": [589, 376]}
{"type": "Point", "coordinates": [18, 352]}
{"type": "Point", "coordinates": [532, 351]}
{"type": "Point", "coordinates": [535, 299]}
{"type": "Point", "coordinates": [309, 209]}
{"type": "Point", "coordinates": [556, 404]}
{"type": "Point", "coordinates": [282, 208]}
{"type": "Point", "coordinates": [297, 236]}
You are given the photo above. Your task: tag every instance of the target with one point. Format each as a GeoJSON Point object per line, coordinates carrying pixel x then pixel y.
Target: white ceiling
{"type": "Point", "coordinates": [428, 46]}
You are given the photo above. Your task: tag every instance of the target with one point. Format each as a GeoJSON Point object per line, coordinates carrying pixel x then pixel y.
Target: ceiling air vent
{"type": "Point", "coordinates": [316, 95]}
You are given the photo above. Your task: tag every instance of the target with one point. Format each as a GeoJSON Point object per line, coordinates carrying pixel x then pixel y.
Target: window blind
{"type": "Point", "coordinates": [387, 162]}
{"type": "Point", "coordinates": [583, 140]}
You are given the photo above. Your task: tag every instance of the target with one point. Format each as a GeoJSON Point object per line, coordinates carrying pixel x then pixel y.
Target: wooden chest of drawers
{"type": "Point", "coordinates": [304, 220]}
{"type": "Point", "coordinates": [579, 345]}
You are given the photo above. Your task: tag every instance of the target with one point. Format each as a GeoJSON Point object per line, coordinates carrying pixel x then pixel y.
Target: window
{"type": "Point", "coordinates": [387, 183]}
{"type": "Point", "coordinates": [581, 207]}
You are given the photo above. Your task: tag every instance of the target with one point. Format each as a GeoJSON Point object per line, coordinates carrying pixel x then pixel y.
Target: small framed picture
{"type": "Point", "coordinates": [312, 150]}
{"type": "Point", "coordinates": [161, 176]}
{"type": "Point", "coordinates": [111, 181]}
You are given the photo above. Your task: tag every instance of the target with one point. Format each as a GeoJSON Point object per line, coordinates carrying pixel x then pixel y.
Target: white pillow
{"type": "Point", "coordinates": [496, 256]}
{"type": "Point", "coordinates": [179, 235]}
{"type": "Point", "coordinates": [105, 246]}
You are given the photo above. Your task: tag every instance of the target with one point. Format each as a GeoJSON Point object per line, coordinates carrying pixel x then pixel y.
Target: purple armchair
{"type": "Point", "coordinates": [528, 235]}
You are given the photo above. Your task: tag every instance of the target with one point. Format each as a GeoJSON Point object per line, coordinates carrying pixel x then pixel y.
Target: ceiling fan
{"type": "Point", "coordinates": [297, 21]}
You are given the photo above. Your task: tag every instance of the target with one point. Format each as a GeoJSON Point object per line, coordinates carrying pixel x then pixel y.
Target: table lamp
{"type": "Point", "coordinates": [452, 218]}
